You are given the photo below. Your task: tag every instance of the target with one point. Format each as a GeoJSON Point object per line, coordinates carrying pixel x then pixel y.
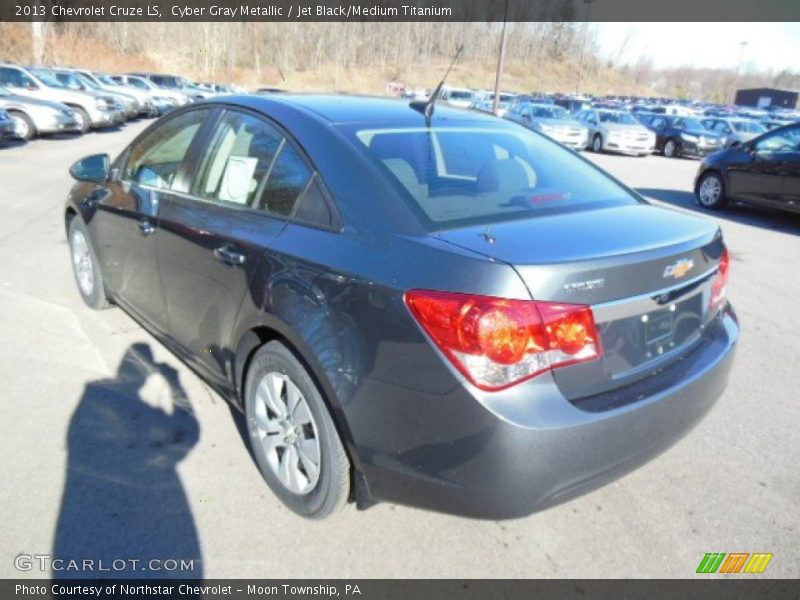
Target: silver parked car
{"type": "Point", "coordinates": [142, 98]}
{"type": "Point", "coordinates": [553, 121]}
{"type": "Point", "coordinates": [92, 110]}
{"type": "Point", "coordinates": [32, 117]}
{"type": "Point", "coordinates": [75, 81]}
{"type": "Point", "coordinates": [734, 131]}
{"type": "Point", "coordinates": [165, 100]}
{"type": "Point", "coordinates": [616, 131]}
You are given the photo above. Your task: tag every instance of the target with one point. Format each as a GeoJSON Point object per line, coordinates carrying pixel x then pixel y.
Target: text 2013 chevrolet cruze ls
{"type": "Point", "coordinates": [449, 311]}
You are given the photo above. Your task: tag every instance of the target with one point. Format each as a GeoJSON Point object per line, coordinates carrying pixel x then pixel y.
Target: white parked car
{"type": "Point", "coordinates": [616, 131]}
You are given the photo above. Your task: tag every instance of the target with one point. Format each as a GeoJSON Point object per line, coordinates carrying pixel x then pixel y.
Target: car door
{"type": "Point", "coordinates": [791, 182]}
{"type": "Point", "coordinates": [125, 223]}
{"type": "Point", "coordinates": [783, 148]}
{"type": "Point", "coordinates": [214, 238]}
{"type": "Point", "coordinates": [659, 125]}
{"type": "Point", "coordinates": [758, 176]}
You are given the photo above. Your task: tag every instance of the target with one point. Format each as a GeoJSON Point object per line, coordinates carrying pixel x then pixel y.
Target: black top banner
{"type": "Point", "coordinates": [400, 10]}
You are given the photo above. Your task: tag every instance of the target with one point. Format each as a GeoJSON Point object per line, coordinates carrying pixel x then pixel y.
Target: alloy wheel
{"type": "Point", "coordinates": [21, 127]}
{"type": "Point", "coordinates": [82, 263]}
{"type": "Point", "coordinates": [710, 190]}
{"type": "Point", "coordinates": [283, 429]}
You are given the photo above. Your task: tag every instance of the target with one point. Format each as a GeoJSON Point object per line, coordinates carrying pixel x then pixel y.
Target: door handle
{"type": "Point", "coordinates": [228, 255]}
{"type": "Point", "coordinates": [146, 227]}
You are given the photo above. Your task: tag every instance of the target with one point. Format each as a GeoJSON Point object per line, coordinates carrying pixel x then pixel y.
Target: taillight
{"type": "Point", "coordinates": [718, 287]}
{"type": "Point", "coordinates": [497, 343]}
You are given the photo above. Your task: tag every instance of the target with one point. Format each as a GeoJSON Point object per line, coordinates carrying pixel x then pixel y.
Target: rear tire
{"type": "Point", "coordinates": [23, 125]}
{"type": "Point", "coordinates": [86, 267]}
{"type": "Point", "coordinates": [597, 143]}
{"type": "Point", "coordinates": [710, 192]}
{"type": "Point", "coordinates": [293, 438]}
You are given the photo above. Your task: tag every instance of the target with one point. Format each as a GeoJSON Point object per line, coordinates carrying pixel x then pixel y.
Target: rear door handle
{"type": "Point", "coordinates": [146, 227]}
{"type": "Point", "coordinates": [229, 255]}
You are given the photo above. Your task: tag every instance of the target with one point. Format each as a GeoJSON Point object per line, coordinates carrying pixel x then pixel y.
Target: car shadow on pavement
{"type": "Point", "coordinates": [123, 500]}
{"type": "Point", "coordinates": [738, 212]}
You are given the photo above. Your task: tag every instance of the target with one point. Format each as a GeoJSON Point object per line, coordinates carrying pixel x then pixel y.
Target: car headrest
{"type": "Point", "coordinates": [503, 174]}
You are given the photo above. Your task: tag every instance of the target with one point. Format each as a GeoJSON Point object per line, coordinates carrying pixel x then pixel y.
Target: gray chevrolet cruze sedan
{"type": "Point", "coordinates": [448, 311]}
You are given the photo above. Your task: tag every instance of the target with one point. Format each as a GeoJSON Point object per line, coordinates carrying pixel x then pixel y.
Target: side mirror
{"type": "Point", "coordinates": [31, 86]}
{"type": "Point", "coordinates": [737, 144]}
{"type": "Point", "coordinates": [94, 168]}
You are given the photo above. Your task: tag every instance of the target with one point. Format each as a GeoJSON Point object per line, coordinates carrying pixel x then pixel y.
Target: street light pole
{"type": "Point", "coordinates": [742, 46]}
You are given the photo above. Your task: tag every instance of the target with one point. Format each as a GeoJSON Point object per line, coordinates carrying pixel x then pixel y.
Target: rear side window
{"type": "Point", "coordinates": [464, 176]}
{"type": "Point", "coordinates": [156, 159]}
{"type": "Point", "coordinates": [287, 180]}
{"type": "Point", "coordinates": [250, 163]}
{"type": "Point", "coordinates": [238, 160]}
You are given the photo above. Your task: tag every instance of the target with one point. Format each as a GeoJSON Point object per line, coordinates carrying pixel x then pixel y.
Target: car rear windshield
{"type": "Point", "coordinates": [459, 176]}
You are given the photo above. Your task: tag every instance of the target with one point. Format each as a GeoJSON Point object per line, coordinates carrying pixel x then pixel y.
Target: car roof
{"type": "Point", "coordinates": [341, 108]}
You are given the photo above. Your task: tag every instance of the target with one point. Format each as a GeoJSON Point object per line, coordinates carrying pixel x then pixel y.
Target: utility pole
{"type": "Point", "coordinates": [588, 4]}
{"type": "Point", "coordinates": [500, 61]}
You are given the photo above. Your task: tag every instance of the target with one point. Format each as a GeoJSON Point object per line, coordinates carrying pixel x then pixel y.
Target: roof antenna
{"type": "Point", "coordinates": [426, 107]}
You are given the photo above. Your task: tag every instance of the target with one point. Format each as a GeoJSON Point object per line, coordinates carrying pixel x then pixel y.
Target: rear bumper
{"type": "Point", "coordinates": [510, 454]}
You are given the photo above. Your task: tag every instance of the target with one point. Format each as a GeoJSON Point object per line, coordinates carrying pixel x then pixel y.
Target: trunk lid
{"type": "Point", "coordinates": [646, 272]}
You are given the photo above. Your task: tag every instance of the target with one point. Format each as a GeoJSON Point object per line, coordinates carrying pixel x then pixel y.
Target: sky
{"type": "Point", "coordinates": [770, 46]}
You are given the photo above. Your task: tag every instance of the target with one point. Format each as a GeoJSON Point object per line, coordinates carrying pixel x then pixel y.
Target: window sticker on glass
{"type": "Point", "coordinates": [238, 179]}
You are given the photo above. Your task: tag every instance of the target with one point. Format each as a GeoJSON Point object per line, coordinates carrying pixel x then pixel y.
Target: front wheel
{"type": "Point", "coordinates": [597, 143]}
{"type": "Point", "coordinates": [85, 266]}
{"type": "Point", "coordinates": [293, 438]}
{"type": "Point", "coordinates": [711, 191]}
{"type": "Point", "coordinates": [84, 120]}
{"type": "Point", "coordinates": [23, 125]}
{"type": "Point", "coordinates": [670, 149]}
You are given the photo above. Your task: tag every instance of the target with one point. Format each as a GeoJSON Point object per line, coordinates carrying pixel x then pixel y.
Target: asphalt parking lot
{"type": "Point", "coordinates": [732, 485]}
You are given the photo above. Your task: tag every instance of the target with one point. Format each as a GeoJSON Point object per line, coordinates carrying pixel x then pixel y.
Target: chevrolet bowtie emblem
{"type": "Point", "coordinates": [679, 269]}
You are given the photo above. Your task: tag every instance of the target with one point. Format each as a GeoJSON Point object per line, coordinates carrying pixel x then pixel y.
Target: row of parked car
{"type": "Point", "coordinates": [37, 100]}
{"type": "Point", "coordinates": [637, 133]}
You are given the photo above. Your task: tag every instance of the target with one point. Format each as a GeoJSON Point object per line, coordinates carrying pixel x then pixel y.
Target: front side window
{"type": "Point", "coordinates": [156, 160]}
{"type": "Point", "coordinates": [787, 140]}
{"type": "Point", "coordinates": [474, 175]}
